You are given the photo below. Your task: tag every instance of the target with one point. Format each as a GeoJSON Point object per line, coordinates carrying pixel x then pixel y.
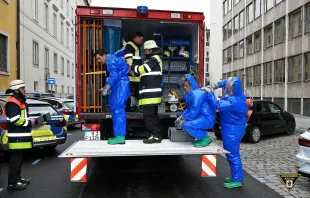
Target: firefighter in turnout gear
{"type": "Point", "coordinates": [19, 133]}
{"type": "Point", "coordinates": [130, 50]}
{"type": "Point", "coordinates": [150, 94]}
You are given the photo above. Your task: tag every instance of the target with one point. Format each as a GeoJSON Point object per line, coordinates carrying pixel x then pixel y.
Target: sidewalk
{"type": "Point", "coordinates": [302, 123]}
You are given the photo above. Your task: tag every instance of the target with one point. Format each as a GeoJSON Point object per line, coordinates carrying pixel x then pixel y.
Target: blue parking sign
{"type": "Point", "coordinates": [51, 81]}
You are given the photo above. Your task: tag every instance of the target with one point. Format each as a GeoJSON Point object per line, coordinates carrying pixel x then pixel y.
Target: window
{"type": "Point", "coordinates": [249, 13]}
{"type": "Point", "coordinates": [225, 56]}
{"type": "Point", "coordinates": [235, 51]}
{"type": "Point", "coordinates": [236, 24]}
{"type": "Point", "coordinates": [72, 40]}
{"type": "Point", "coordinates": [294, 68]}
{"type": "Point", "coordinates": [240, 75]}
{"type": "Point", "coordinates": [62, 89]}
{"type": "Point", "coordinates": [229, 5]}
{"type": "Point", "coordinates": [62, 66]}
{"type": "Point", "coordinates": [55, 25]}
{"type": "Point", "coordinates": [62, 31]}
{"type": "Point", "coordinates": [55, 63]}
{"type": "Point", "coordinates": [241, 17]}
{"type": "Point", "coordinates": [35, 54]}
{"type": "Point", "coordinates": [223, 76]}
{"type": "Point", "coordinates": [61, 3]}
{"type": "Point", "coordinates": [42, 109]}
{"type": "Point", "coordinates": [268, 5]}
{"type": "Point", "coordinates": [257, 11]}
{"type": "Point", "coordinates": [268, 73]}
{"type": "Point", "coordinates": [46, 58]}
{"type": "Point", "coordinates": [279, 31]}
{"type": "Point", "coordinates": [46, 16]}
{"type": "Point", "coordinates": [68, 69]}
{"type": "Point", "coordinates": [225, 7]}
{"type": "Point", "coordinates": [73, 70]}
{"type": "Point", "coordinates": [4, 53]}
{"type": "Point", "coordinates": [249, 45]}
{"type": "Point", "coordinates": [241, 50]}
{"type": "Point", "coordinates": [229, 54]}
{"type": "Point", "coordinates": [257, 75]}
{"type": "Point", "coordinates": [257, 41]}
{"type": "Point", "coordinates": [35, 10]}
{"type": "Point", "coordinates": [225, 32]}
{"type": "Point", "coordinates": [307, 19]}
{"type": "Point", "coordinates": [229, 29]}
{"type": "Point", "coordinates": [68, 37]}
{"type": "Point", "coordinates": [67, 8]}
{"type": "Point", "coordinates": [262, 108]}
{"type": "Point", "coordinates": [235, 74]}
{"type": "Point", "coordinates": [268, 36]}
{"type": "Point", "coordinates": [55, 88]}
{"type": "Point", "coordinates": [35, 86]}
{"type": "Point", "coordinates": [72, 89]}
{"type": "Point", "coordinates": [249, 80]}
{"type": "Point", "coordinates": [278, 1]}
{"type": "Point", "coordinates": [274, 108]}
{"type": "Point", "coordinates": [295, 24]}
{"type": "Point", "coordinates": [68, 89]}
{"type": "Point", "coordinates": [307, 66]}
{"type": "Point", "coordinates": [279, 66]}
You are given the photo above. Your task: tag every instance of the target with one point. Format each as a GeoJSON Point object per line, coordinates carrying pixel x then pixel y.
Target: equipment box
{"type": "Point", "coordinates": [179, 135]}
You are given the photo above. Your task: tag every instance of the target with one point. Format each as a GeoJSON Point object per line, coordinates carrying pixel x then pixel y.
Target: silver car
{"type": "Point", "coordinates": [303, 155]}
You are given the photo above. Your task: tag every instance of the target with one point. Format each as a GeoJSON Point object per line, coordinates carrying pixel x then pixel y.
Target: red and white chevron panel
{"type": "Point", "coordinates": [78, 169]}
{"type": "Point", "coordinates": [208, 168]}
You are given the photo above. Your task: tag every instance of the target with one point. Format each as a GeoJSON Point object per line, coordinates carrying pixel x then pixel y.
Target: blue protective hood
{"type": "Point", "coordinates": [237, 87]}
{"type": "Point", "coordinates": [192, 81]}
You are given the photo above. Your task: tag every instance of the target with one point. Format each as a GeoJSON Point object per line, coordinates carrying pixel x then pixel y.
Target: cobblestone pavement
{"type": "Point", "coordinates": [271, 156]}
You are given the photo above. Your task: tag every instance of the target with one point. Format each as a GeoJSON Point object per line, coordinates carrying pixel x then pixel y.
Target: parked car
{"type": "Point", "coordinates": [49, 135]}
{"type": "Point", "coordinates": [34, 95]}
{"type": "Point", "coordinates": [66, 108]}
{"type": "Point", "coordinates": [267, 118]}
{"type": "Point", "coordinates": [303, 155]}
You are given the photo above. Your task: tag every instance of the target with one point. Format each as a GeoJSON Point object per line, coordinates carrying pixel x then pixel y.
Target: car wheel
{"type": "Point", "coordinates": [217, 132]}
{"type": "Point", "coordinates": [290, 127]}
{"type": "Point", "coordinates": [254, 135]}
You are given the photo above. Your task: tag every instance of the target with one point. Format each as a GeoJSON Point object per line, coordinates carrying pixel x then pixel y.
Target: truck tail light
{"type": "Point", "coordinates": [303, 142]}
{"type": "Point", "coordinates": [94, 11]}
{"type": "Point", "coordinates": [90, 127]}
{"type": "Point", "coordinates": [187, 16]}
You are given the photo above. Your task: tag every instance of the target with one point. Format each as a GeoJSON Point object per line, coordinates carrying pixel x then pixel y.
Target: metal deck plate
{"type": "Point", "coordinates": [84, 148]}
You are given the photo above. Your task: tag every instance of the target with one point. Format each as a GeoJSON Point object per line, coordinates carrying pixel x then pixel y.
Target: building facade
{"type": "Point", "coordinates": [266, 43]}
{"type": "Point", "coordinates": [47, 44]}
{"type": "Point", "coordinates": [8, 39]}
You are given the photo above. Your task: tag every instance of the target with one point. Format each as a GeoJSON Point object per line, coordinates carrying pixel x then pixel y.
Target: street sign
{"type": "Point", "coordinates": [51, 81]}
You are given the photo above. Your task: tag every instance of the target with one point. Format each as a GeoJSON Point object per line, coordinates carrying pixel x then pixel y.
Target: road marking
{"type": "Point", "coordinates": [260, 179]}
{"type": "Point", "coordinates": [269, 176]}
{"type": "Point", "coordinates": [35, 162]}
{"type": "Point", "coordinates": [69, 134]}
{"type": "Point", "coordinates": [1, 189]}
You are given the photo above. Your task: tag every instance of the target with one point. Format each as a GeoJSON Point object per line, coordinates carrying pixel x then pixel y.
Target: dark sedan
{"type": "Point", "coordinates": [267, 118]}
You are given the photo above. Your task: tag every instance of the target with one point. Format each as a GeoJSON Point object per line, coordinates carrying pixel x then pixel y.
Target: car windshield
{"type": "Point", "coordinates": [69, 104]}
{"type": "Point", "coordinates": [35, 110]}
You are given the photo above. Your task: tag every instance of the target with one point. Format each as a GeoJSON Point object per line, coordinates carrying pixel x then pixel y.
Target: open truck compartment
{"type": "Point", "coordinates": [111, 32]}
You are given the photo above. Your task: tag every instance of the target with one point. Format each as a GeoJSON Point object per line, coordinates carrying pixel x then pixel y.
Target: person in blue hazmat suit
{"type": "Point", "coordinates": [233, 116]}
{"type": "Point", "coordinates": [118, 88]}
{"type": "Point", "coordinates": [200, 112]}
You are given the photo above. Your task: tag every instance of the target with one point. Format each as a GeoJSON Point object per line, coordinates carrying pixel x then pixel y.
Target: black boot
{"type": "Point", "coordinates": [25, 181]}
{"type": "Point", "coordinates": [17, 186]}
{"type": "Point", "coordinates": [152, 139]}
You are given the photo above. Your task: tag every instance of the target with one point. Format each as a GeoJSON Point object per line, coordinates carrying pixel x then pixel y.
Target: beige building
{"type": "Point", "coordinates": [267, 44]}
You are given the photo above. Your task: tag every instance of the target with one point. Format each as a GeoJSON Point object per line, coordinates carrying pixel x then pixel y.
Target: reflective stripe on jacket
{"type": "Point", "coordinates": [19, 127]}
{"type": "Point", "coordinates": [151, 81]}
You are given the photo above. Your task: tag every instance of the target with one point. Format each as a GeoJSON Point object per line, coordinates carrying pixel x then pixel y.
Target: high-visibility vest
{"type": "Point", "coordinates": [128, 58]}
{"type": "Point", "coordinates": [19, 131]}
{"type": "Point", "coordinates": [151, 82]}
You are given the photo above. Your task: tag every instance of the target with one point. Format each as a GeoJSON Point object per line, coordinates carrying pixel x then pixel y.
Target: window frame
{"type": "Point", "coordinates": [267, 71]}
{"type": "Point", "coordinates": [35, 56]}
{"type": "Point", "coordinates": [290, 70]}
{"type": "Point", "coordinates": [291, 31]}
{"type": "Point", "coordinates": [265, 38]}
{"type": "Point", "coordinates": [283, 24]}
{"type": "Point", "coordinates": [8, 50]}
{"type": "Point", "coordinates": [282, 77]}
{"type": "Point", "coordinates": [255, 77]}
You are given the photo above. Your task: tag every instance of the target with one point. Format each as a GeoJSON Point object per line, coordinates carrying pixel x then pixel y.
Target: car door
{"type": "Point", "coordinates": [277, 114]}
{"type": "Point", "coordinates": [264, 117]}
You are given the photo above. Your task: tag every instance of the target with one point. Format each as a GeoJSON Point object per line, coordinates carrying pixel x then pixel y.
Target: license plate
{"type": "Point", "coordinates": [92, 135]}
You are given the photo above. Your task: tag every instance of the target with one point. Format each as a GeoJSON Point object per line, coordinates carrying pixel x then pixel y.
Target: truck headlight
{"type": "Point", "coordinates": [173, 107]}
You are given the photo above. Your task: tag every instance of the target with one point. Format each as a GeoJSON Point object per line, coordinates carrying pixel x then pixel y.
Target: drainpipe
{"type": "Point", "coordinates": [18, 40]}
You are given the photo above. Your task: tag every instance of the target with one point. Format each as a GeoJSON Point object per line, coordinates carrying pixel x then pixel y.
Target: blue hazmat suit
{"type": "Point", "coordinates": [200, 112]}
{"type": "Point", "coordinates": [120, 86]}
{"type": "Point", "coordinates": [233, 117]}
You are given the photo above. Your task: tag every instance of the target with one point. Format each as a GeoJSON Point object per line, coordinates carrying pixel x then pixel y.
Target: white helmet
{"type": "Point", "coordinates": [150, 45]}
{"type": "Point", "coordinates": [16, 84]}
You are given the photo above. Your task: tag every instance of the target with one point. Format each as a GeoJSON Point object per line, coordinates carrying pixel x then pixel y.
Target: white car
{"type": "Point", "coordinates": [303, 155]}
